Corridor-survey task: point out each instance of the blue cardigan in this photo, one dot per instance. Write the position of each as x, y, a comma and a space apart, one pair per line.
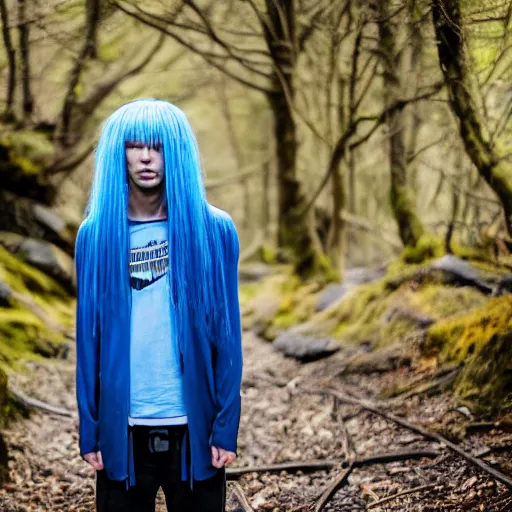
212, 372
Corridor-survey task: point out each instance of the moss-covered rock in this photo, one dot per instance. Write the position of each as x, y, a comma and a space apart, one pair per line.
24, 154
24, 335
482, 340
260, 302
487, 374
298, 303
34, 313
42, 255
465, 334
381, 313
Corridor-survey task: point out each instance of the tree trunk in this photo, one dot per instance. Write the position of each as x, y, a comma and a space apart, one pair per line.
402, 202
23, 28
293, 232
335, 245
488, 158
11, 62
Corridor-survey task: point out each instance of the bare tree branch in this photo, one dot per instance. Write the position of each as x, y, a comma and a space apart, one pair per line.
88, 50
207, 56
23, 31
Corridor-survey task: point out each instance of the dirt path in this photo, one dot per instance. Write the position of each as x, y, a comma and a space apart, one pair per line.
280, 423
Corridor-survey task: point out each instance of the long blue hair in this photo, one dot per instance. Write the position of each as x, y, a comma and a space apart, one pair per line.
196, 242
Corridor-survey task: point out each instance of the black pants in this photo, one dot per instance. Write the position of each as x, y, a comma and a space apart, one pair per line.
155, 470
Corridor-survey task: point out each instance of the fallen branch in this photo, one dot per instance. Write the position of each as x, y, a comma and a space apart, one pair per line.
426, 387
311, 465
419, 382
38, 404
317, 465
333, 487
241, 497
498, 475
489, 425
350, 455
386, 458
399, 495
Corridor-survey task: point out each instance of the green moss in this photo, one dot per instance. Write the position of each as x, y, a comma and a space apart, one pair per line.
23, 333
388, 310
457, 337
277, 302
360, 316
427, 247
29, 150
24, 278
247, 291
297, 305
402, 203
440, 301
486, 378
268, 255
263, 299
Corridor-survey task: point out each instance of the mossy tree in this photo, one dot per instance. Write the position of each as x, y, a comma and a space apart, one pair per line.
402, 200
484, 144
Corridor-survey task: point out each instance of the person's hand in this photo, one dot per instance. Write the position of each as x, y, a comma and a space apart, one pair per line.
94, 459
221, 457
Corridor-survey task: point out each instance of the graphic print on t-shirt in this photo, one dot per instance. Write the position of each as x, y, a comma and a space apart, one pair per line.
148, 263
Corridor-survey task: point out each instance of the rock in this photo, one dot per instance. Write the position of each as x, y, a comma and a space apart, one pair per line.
381, 361
5, 293
304, 348
504, 285
460, 272
43, 255
331, 293
352, 278
30, 218
251, 272
48, 218
456, 265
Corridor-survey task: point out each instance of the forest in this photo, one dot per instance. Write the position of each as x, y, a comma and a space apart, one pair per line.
364, 152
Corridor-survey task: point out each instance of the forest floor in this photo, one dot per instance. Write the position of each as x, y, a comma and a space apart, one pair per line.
284, 420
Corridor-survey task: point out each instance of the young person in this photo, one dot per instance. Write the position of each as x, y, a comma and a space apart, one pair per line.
159, 352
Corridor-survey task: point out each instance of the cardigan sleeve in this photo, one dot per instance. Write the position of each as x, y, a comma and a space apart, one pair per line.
228, 357
87, 349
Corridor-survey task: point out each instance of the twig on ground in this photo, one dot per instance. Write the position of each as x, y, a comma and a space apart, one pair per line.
28, 401
350, 455
317, 465
489, 425
425, 387
310, 465
387, 499
241, 497
335, 484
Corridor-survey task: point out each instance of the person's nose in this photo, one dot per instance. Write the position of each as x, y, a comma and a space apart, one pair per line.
144, 155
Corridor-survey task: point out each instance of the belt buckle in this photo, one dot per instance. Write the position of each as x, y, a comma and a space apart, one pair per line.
158, 440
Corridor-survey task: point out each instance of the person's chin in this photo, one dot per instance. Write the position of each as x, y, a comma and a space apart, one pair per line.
152, 183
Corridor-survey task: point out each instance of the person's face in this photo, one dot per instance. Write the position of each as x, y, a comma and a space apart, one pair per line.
145, 164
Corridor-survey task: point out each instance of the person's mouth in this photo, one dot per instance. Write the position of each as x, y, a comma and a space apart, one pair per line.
147, 174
